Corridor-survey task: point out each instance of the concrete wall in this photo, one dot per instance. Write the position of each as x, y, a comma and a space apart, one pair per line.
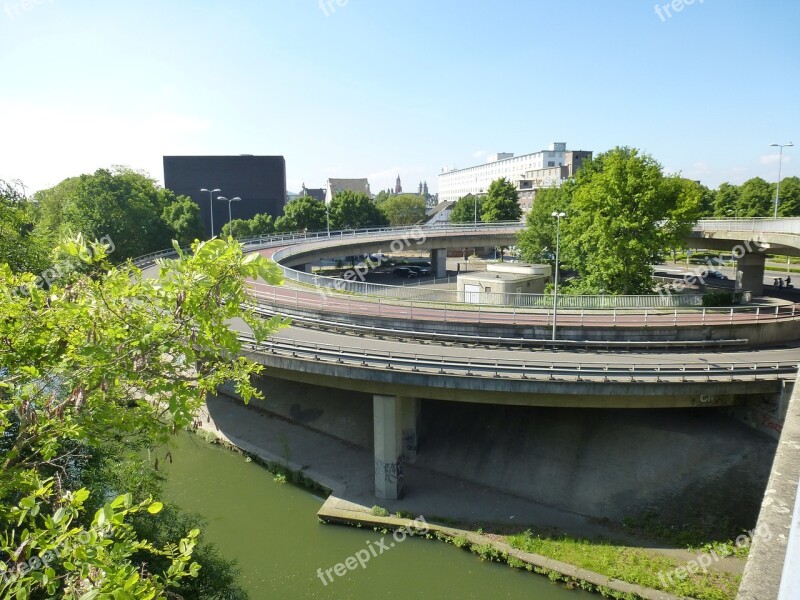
612, 463
765, 333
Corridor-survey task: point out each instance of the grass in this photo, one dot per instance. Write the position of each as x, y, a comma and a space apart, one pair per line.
633, 565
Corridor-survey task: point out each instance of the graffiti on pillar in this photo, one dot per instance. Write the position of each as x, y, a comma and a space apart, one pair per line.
392, 471
409, 441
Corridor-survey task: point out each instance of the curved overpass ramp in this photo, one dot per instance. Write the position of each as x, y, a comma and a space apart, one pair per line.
399, 371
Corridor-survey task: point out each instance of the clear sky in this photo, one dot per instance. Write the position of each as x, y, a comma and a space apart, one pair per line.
355, 88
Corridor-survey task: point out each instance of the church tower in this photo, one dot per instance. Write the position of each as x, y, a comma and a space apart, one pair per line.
398, 188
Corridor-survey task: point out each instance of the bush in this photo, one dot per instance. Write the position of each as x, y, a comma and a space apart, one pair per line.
379, 511
721, 298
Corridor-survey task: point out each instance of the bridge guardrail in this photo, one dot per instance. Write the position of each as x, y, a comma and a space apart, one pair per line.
477, 313
468, 366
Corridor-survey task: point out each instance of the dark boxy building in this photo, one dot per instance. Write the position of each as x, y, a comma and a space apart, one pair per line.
260, 181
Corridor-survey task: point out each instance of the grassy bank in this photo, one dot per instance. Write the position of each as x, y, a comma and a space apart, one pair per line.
633, 565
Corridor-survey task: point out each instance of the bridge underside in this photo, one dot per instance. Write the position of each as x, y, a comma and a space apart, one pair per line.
557, 393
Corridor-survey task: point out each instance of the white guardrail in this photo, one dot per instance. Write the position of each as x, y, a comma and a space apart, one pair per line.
521, 367
417, 293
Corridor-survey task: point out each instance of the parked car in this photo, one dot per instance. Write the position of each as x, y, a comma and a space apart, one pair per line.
405, 272
715, 275
704, 275
420, 271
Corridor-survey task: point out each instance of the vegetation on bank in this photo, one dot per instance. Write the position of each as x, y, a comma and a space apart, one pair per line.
97, 367
632, 565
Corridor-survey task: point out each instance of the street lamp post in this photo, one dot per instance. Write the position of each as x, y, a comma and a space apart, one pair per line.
780, 163
558, 216
328, 217
211, 205
230, 218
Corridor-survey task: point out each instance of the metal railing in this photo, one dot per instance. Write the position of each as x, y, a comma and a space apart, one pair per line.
757, 225
476, 313
521, 367
322, 239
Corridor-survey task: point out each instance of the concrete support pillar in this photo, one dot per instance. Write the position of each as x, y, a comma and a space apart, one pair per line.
387, 417
439, 262
750, 273
409, 408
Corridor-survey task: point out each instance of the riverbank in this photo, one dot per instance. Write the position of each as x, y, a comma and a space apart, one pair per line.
461, 508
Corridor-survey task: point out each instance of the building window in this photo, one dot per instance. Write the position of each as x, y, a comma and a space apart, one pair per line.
551, 163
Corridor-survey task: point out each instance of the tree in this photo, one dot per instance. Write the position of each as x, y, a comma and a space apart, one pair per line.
238, 228
624, 212
382, 197
182, 216
537, 242
261, 224
355, 210
789, 205
502, 202
115, 358
464, 210
120, 203
302, 214
22, 246
403, 209
756, 198
707, 198
726, 201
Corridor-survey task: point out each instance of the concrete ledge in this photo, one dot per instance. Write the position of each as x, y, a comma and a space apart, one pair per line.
515, 391
764, 569
336, 510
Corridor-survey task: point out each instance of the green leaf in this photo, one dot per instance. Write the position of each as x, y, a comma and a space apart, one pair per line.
155, 508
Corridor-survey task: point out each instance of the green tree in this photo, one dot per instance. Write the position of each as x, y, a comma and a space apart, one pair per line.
261, 224
22, 246
537, 242
502, 202
403, 209
182, 216
789, 205
119, 357
382, 197
302, 214
355, 210
707, 198
464, 210
726, 201
122, 204
51, 206
622, 214
756, 198
238, 228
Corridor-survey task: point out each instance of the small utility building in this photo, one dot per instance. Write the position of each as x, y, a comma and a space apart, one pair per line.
494, 285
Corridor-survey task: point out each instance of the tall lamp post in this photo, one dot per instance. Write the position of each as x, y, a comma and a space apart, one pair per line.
558, 216
780, 163
236, 199
328, 216
211, 205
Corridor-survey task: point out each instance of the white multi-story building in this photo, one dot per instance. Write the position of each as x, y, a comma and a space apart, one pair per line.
455, 183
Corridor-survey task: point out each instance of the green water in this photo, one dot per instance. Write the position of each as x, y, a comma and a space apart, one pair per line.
272, 531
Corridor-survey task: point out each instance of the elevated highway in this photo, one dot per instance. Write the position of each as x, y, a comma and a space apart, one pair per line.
477, 367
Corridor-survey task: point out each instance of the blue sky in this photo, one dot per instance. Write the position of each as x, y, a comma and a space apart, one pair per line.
376, 88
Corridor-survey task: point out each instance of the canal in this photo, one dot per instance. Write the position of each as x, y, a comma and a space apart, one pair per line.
271, 530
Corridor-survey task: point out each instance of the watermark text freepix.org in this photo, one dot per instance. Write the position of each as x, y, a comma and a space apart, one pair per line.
374, 549
671, 7
706, 559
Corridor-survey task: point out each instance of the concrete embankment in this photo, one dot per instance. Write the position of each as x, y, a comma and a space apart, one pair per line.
602, 463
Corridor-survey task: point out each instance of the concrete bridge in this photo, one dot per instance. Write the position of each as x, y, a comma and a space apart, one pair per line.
480, 365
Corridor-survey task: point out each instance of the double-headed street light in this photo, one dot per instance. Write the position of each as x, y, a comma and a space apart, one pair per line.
211, 205
780, 163
558, 216
236, 199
